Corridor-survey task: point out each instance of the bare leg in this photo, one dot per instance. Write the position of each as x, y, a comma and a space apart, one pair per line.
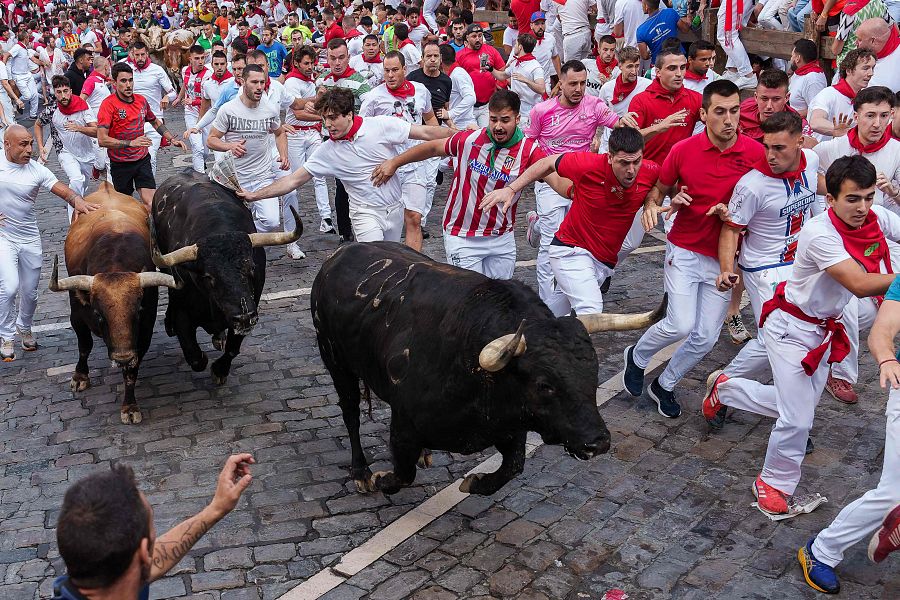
413, 222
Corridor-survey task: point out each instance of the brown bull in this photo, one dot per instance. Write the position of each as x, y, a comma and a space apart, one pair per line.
169, 49
112, 287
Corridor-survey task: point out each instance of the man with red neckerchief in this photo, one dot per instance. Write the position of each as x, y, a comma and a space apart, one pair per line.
191, 95
808, 78
602, 67
369, 63
770, 97
884, 40
830, 112
333, 29
699, 73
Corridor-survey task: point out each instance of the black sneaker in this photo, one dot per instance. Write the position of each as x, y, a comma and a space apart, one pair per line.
425, 234
633, 375
345, 239
604, 287
665, 400
809, 446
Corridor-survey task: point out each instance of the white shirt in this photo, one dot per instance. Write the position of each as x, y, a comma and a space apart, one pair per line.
833, 103
631, 14
804, 88
88, 36
594, 83
255, 126
19, 63
380, 102
773, 214
462, 98
212, 88
97, 96
151, 82
819, 247
352, 161
294, 87
573, 16
606, 93
191, 91
544, 51
417, 34
77, 144
373, 72
530, 69
413, 57
509, 36
887, 72
19, 187
700, 85
280, 12
886, 160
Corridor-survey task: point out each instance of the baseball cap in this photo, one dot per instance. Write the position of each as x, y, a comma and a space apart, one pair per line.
538, 15
473, 28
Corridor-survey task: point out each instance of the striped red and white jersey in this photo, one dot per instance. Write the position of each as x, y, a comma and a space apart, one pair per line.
480, 168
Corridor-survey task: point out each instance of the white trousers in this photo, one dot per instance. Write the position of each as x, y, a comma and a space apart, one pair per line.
576, 45
737, 54
859, 314
791, 400
374, 224
490, 255
20, 271
266, 213
151, 133
78, 174
28, 93
8, 108
578, 275
695, 314
429, 168
197, 142
772, 9
863, 516
300, 146
752, 360
551, 209
633, 238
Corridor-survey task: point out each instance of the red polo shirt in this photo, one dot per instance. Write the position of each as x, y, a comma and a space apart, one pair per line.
655, 104
602, 210
484, 81
335, 31
523, 9
710, 176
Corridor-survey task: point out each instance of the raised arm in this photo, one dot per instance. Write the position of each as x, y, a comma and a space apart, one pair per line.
507, 193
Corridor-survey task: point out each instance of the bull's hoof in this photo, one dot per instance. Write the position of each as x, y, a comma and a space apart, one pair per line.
218, 340
79, 382
470, 482
219, 373
200, 364
386, 482
425, 459
131, 414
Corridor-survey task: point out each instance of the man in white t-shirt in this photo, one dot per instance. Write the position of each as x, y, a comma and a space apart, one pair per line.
526, 76
20, 64
884, 40
546, 51
73, 128
151, 82
245, 126
808, 78
510, 33
831, 111
193, 75
629, 16
411, 54
802, 322
417, 30
699, 72
462, 94
21, 179
369, 63
603, 67
355, 147
576, 29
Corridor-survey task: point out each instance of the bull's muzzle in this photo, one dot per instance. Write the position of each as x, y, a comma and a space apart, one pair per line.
589, 451
124, 359
243, 323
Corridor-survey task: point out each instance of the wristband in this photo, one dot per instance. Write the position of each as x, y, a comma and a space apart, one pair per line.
887, 361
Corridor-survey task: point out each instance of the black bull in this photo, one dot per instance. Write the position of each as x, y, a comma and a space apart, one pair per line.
436, 342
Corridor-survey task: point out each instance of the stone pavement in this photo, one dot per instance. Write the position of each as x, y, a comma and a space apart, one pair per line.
664, 515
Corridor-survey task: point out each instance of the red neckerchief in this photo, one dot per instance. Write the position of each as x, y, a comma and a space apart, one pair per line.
656, 89
23, 45
352, 34
351, 133
348, 73
451, 68
622, 90
76, 104
406, 42
225, 77
810, 67
891, 44
763, 167
296, 74
844, 88
688, 74
525, 57
198, 83
835, 334
606, 69
866, 244
136, 68
406, 90
373, 60
856, 143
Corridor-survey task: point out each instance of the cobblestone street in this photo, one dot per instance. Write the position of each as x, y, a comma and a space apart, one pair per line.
666, 514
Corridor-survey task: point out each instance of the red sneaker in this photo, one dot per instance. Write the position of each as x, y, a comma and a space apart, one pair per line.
841, 390
887, 538
164, 143
713, 410
768, 498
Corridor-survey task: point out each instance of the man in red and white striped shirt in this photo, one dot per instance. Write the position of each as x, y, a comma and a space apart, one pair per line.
486, 159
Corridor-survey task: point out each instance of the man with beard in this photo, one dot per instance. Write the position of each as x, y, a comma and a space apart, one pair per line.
369, 62
194, 75
830, 112
546, 50
808, 78
73, 124
479, 61
151, 82
107, 540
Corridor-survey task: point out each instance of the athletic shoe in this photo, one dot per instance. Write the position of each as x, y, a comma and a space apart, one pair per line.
292, 250
818, 575
532, 233
737, 331
666, 404
604, 287
633, 375
769, 499
425, 234
841, 390
887, 538
28, 343
326, 226
746, 82
7, 350
809, 446
730, 74
713, 410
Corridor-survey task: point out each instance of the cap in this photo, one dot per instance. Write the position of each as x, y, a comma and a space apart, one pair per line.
538, 15
474, 27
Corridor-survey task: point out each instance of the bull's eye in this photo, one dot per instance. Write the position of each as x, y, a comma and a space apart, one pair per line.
546, 389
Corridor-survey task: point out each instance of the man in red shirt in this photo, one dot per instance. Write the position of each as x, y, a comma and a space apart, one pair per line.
480, 61
120, 129
523, 9
771, 97
704, 170
608, 189
333, 29
666, 111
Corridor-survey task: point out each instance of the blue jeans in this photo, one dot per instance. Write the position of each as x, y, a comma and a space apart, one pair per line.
797, 15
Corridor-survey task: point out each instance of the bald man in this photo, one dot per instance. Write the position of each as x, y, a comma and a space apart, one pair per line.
21, 179
884, 40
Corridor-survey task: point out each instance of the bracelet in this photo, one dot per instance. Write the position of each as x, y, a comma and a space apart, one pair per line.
887, 361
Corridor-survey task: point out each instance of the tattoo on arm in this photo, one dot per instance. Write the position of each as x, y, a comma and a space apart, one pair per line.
167, 554
123, 143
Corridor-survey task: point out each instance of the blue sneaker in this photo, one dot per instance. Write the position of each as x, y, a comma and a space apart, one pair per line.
818, 575
633, 375
666, 404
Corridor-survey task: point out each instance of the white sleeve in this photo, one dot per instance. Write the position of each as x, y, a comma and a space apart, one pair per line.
318, 162
827, 250
221, 120
367, 105
889, 221
45, 176
825, 152
393, 130
814, 86
619, 13
744, 202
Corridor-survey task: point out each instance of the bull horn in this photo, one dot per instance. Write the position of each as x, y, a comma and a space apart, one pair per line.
497, 354
75, 282
186, 254
154, 279
278, 237
596, 322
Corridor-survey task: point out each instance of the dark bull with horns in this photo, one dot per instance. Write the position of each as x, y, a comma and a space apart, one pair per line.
466, 362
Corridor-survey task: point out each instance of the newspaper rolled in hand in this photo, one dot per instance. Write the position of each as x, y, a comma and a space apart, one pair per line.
223, 173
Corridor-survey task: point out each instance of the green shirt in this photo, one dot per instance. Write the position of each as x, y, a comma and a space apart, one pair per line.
207, 43
288, 31
118, 53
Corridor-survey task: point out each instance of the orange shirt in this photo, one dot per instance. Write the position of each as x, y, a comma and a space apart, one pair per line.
222, 24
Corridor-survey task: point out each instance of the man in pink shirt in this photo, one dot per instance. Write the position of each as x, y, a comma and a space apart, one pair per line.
567, 123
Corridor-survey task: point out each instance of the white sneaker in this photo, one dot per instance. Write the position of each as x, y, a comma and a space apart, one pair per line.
327, 226
7, 350
28, 343
746, 81
532, 232
292, 250
730, 74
